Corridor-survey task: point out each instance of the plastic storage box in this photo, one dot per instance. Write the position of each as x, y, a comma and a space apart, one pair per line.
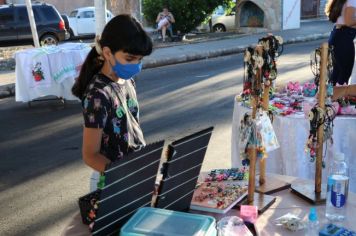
159, 222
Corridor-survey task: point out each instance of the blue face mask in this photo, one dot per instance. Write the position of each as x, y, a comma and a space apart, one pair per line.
126, 71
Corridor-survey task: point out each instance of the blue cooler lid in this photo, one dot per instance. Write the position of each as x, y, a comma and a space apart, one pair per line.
159, 222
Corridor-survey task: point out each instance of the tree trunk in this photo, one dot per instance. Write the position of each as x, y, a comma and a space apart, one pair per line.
100, 16
131, 7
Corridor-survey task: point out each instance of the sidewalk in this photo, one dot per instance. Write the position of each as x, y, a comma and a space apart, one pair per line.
208, 48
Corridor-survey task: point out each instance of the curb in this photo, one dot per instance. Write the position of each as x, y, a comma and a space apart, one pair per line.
9, 90
222, 52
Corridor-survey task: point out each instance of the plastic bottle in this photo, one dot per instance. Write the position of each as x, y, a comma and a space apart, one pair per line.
337, 190
313, 223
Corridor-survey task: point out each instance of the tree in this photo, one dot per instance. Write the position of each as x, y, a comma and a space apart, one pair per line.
188, 13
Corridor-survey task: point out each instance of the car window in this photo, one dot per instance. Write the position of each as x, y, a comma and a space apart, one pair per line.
73, 14
87, 14
6, 15
49, 13
37, 14
22, 14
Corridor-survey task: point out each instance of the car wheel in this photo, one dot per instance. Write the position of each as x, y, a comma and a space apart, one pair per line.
219, 28
49, 39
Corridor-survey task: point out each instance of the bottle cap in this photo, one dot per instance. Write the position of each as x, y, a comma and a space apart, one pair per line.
339, 156
313, 215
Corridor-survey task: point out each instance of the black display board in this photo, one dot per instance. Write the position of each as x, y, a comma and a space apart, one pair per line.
129, 185
181, 171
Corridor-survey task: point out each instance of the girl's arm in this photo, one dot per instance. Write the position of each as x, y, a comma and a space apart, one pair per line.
350, 19
158, 17
91, 149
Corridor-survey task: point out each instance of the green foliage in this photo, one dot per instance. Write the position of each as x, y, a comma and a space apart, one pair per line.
188, 13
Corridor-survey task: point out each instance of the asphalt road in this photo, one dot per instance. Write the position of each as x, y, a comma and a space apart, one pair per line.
41, 171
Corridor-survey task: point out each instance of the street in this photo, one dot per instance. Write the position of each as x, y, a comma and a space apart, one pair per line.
41, 171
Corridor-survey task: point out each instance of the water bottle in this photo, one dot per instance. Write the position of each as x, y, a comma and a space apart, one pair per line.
337, 189
313, 223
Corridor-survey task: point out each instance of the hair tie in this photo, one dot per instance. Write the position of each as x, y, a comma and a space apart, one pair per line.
97, 45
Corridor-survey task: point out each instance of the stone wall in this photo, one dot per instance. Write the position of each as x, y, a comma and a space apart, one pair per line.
272, 15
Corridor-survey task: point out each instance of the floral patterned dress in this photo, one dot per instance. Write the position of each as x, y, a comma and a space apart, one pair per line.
113, 107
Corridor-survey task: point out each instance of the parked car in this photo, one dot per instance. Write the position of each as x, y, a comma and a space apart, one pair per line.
222, 20
66, 21
15, 24
82, 21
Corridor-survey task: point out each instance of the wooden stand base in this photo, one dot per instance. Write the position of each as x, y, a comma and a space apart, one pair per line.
262, 201
272, 185
307, 192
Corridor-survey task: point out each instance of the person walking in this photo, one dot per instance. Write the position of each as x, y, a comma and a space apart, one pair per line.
343, 14
107, 92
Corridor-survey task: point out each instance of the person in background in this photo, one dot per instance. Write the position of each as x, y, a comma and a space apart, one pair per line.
164, 21
342, 13
107, 91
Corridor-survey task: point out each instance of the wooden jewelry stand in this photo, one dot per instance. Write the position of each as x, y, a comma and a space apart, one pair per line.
262, 201
273, 184
317, 194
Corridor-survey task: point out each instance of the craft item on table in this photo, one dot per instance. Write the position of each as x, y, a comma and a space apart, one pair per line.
315, 60
318, 117
265, 128
346, 106
232, 226
148, 221
291, 222
293, 88
218, 197
272, 48
218, 175
335, 230
309, 89
308, 104
249, 138
249, 213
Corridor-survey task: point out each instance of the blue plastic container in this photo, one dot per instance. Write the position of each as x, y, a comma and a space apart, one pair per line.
159, 222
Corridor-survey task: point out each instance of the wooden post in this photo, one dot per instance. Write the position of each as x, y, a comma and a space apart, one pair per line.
320, 132
252, 152
265, 105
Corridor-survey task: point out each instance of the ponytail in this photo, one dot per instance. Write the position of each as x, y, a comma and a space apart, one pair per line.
333, 9
90, 67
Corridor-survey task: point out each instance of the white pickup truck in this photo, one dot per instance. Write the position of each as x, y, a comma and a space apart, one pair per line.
82, 21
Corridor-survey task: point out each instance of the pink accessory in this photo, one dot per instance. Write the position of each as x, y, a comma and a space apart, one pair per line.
249, 213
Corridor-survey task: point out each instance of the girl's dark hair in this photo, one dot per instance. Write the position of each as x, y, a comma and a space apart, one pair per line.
123, 32
333, 9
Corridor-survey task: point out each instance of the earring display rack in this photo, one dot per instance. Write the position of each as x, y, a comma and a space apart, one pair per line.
181, 171
129, 185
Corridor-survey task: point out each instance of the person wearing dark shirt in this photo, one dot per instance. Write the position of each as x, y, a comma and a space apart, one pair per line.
107, 91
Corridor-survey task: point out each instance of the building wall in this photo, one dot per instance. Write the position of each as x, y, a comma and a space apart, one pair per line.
272, 13
322, 7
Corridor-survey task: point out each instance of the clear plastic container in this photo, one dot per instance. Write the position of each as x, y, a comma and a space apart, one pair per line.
337, 190
153, 221
313, 223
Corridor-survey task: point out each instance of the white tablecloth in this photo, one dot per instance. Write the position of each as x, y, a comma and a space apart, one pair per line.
292, 132
48, 70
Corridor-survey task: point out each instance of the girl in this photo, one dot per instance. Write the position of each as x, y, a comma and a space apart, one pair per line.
107, 91
342, 13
